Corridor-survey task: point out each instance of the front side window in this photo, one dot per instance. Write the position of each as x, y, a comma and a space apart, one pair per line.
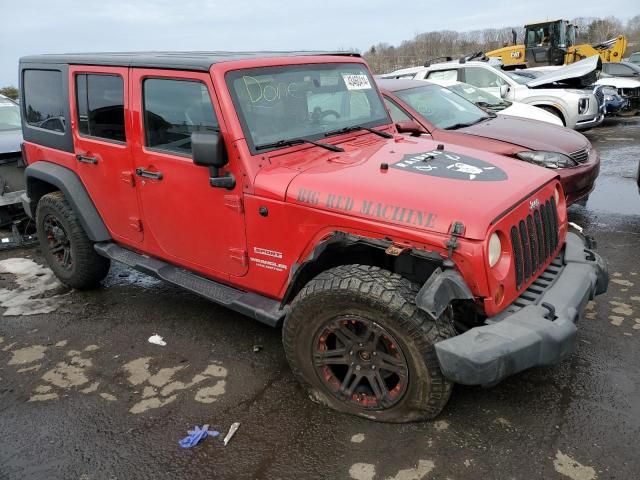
443, 75
9, 115
100, 105
43, 99
482, 77
278, 104
173, 110
442, 107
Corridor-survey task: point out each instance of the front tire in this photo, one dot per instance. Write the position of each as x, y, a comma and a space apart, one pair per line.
65, 245
356, 339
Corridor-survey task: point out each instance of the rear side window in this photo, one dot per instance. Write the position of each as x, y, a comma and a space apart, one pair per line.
173, 109
446, 75
100, 104
43, 99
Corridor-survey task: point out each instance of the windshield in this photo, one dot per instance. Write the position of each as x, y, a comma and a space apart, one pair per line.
442, 107
9, 115
479, 97
277, 104
519, 78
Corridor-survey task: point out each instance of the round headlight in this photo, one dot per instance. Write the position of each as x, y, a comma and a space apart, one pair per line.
495, 249
556, 196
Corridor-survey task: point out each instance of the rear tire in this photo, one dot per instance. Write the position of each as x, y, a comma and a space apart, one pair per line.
337, 322
65, 245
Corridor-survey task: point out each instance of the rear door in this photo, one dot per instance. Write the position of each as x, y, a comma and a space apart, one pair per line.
102, 137
186, 220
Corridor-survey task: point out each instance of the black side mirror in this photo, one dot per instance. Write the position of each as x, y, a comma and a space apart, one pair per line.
207, 149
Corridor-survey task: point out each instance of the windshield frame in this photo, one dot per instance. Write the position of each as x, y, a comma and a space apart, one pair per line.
11, 104
233, 75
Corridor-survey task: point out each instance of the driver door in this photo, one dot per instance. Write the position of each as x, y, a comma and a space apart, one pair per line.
186, 221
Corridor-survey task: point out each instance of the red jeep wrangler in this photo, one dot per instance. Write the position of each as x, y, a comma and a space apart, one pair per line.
276, 184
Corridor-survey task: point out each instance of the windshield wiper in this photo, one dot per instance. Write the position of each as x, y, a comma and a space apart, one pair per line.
358, 127
297, 141
456, 126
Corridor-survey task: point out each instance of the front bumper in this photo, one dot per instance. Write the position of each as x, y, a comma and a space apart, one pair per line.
590, 122
539, 328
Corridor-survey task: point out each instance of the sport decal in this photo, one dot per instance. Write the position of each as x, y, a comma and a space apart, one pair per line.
440, 163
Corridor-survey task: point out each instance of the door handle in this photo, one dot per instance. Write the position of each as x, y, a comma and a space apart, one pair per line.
141, 172
84, 159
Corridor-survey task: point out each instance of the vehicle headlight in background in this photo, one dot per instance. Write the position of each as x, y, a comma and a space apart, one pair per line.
583, 106
548, 159
495, 249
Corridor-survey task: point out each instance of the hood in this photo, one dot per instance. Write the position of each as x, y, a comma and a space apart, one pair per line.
10, 141
529, 134
575, 75
421, 187
518, 109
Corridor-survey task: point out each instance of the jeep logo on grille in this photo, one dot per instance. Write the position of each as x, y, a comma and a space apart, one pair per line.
440, 163
533, 204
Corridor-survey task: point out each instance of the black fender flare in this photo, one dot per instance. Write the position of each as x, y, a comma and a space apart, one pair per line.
440, 290
68, 182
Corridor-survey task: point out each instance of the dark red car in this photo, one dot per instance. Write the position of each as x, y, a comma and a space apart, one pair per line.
423, 108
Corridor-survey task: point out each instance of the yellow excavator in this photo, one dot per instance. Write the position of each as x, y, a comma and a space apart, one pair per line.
554, 43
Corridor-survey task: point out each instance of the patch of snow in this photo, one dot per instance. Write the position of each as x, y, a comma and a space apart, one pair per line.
34, 281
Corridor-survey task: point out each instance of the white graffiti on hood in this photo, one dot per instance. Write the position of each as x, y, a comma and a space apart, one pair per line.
470, 170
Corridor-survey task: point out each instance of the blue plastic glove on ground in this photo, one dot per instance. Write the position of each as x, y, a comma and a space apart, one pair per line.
196, 436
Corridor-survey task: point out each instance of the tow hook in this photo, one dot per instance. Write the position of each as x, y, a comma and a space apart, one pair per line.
552, 311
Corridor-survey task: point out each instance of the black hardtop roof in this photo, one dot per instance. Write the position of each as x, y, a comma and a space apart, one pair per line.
169, 60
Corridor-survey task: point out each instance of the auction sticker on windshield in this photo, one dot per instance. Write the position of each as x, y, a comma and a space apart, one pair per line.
356, 81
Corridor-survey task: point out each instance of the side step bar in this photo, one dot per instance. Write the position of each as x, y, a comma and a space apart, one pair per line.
263, 309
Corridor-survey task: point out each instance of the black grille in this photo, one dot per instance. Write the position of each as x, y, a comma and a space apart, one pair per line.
534, 240
580, 156
599, 95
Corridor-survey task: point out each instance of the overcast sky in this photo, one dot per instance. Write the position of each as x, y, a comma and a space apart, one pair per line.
45, 26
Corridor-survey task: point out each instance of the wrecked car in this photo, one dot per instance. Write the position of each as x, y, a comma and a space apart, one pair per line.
423, 108
276, 184
563, 93
11, 167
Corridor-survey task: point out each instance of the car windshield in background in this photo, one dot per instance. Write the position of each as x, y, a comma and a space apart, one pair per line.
9, 115
479, 97
280, 104
519, 78
442, 107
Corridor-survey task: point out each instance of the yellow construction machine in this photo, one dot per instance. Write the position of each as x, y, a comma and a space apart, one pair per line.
554, 43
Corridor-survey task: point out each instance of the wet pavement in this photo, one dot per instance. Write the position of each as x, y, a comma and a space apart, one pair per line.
83, 395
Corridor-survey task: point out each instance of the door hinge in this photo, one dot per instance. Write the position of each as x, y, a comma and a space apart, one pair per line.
239, 255
234, 202
128, 178
136, 223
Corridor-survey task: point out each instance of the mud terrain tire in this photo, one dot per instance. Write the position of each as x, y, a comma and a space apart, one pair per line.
331, 320
65, 245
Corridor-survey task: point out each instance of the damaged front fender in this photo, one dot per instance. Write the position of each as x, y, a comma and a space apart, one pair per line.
440, 290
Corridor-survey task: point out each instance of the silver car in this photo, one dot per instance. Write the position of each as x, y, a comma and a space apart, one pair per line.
577, 108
